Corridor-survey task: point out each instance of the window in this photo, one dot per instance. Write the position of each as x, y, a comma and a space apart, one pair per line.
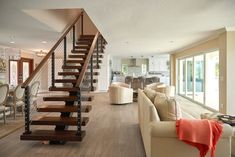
144, 69
13, 72
25, 70
198, 78
125, 69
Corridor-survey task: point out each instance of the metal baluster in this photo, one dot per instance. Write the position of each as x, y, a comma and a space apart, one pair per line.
27, 110
97, 53
79, 129
82, 23
101, 43
74, 38
65, 50
53, 69
91, 68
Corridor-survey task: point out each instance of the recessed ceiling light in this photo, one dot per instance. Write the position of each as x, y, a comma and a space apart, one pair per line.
12, 42
171, 41
44, 42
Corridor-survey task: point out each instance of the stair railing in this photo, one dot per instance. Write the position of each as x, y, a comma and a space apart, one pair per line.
50, 54
89, 58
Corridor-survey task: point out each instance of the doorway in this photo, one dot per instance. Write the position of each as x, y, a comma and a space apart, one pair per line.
20, 70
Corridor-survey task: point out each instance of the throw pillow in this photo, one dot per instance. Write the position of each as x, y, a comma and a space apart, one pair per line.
150, 93
168, 109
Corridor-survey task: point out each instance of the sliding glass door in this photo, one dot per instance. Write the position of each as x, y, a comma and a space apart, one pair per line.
198, 78
212, 80
182, 75
189, 77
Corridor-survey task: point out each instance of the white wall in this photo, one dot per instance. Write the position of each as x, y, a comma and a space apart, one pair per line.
230, 72
116, 63
158, 63
104, 77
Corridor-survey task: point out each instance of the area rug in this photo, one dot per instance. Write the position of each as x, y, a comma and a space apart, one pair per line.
11, 125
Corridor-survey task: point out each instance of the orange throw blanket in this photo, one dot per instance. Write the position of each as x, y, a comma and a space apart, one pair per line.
202, 134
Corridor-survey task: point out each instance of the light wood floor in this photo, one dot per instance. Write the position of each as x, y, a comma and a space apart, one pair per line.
112, 131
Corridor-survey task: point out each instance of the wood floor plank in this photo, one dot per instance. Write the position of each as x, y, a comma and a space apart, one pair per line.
112, 131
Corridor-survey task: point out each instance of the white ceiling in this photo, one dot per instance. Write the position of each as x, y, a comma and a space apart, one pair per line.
131, 27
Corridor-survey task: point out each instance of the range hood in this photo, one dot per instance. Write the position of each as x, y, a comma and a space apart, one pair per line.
133, 63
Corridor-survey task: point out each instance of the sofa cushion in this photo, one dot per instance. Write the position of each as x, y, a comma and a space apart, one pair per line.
150, 93
168, 108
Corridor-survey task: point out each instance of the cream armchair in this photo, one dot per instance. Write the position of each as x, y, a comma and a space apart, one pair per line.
120, 93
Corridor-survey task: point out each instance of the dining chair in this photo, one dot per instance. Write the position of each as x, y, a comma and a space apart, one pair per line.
16, 100
155, 79
4, 89
128, 79
148, 81
136, 84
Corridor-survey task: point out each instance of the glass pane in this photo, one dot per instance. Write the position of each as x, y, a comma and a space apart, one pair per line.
189, 77
25, 70
199, 78
13, 73
212, 80
182, 77
144, 69
124, 69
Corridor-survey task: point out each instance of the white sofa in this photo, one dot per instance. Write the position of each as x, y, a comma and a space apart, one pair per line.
120, 93
160, 138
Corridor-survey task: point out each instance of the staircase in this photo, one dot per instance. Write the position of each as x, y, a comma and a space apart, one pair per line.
77, 71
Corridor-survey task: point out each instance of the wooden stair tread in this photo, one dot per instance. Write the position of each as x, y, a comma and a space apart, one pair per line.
84, 42
69, 89
82, 61
50, 120
63, 108
52, 135
60, 98
75, 61
86, 47
69, 73
76, 73
80, 51
77, 56
65, 80
73, 80
67, 98
79, 67
86, 51
72, 67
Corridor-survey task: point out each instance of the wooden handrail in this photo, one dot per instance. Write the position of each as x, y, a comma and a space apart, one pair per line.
30, 78
83, 71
